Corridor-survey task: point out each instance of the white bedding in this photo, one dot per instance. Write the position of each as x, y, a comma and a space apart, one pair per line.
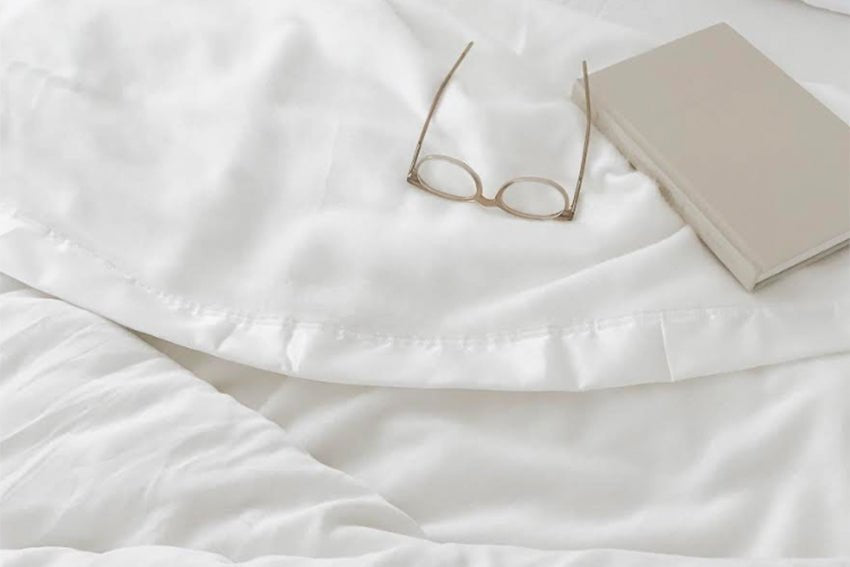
114, 455
231, 179
802, 40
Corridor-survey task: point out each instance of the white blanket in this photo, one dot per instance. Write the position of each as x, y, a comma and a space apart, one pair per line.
114, 455
231, 178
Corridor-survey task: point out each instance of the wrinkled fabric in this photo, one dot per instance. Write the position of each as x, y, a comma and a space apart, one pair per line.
112, 454
233, 180
748, 464
228, 178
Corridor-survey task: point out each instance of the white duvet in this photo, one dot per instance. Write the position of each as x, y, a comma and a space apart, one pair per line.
411, 380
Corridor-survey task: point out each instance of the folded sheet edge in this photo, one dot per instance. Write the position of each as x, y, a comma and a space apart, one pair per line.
636, 348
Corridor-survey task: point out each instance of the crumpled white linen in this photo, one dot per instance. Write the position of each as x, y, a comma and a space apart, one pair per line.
112, 454
231, 178
748, 464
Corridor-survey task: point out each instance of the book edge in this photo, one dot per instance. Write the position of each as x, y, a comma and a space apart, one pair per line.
743, 268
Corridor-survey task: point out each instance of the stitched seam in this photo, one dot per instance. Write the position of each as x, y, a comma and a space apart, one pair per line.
240, 317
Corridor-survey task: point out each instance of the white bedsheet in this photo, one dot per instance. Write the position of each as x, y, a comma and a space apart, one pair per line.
114, 455
231, 179
803, 40
234, 181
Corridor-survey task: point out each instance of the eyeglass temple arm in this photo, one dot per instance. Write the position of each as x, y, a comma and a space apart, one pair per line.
434, 104
571, 211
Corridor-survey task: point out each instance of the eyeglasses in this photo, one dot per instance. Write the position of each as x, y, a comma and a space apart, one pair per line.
528, 197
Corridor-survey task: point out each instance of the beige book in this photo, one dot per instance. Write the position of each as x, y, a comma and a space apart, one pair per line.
756, 165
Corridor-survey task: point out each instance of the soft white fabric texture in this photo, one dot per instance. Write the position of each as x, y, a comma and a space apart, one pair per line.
232, 179
114, 455
750, 464
803, 40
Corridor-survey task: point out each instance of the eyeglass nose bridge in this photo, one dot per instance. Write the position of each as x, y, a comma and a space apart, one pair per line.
482, 200
414, 178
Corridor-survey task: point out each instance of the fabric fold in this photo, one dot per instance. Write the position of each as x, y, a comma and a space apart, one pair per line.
246, 197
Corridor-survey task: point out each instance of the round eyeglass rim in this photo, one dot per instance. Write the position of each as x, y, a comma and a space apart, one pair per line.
499, 200
479, 188
500, 197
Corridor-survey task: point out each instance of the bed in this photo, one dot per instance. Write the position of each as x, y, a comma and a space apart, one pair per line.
230, 333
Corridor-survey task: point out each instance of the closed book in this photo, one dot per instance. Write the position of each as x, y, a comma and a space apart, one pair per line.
751, 160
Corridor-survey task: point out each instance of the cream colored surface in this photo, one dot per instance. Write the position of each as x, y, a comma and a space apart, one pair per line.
762, 165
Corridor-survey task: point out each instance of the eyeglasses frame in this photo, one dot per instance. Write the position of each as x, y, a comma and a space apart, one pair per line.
413, 177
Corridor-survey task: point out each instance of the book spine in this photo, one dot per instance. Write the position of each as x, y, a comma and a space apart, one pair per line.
743, 269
